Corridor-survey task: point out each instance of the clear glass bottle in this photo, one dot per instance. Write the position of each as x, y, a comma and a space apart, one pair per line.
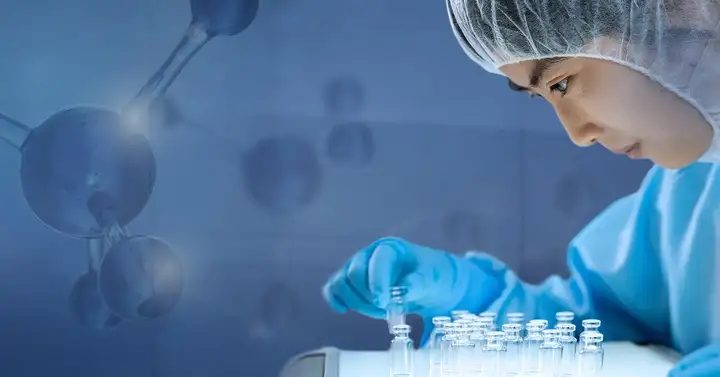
550, 353
564, 317
492, 317
531, 347
463, 355
480, 329
517, 318
396, 309
479, 337
589, 325
446, 355
591, 356
569, 344
402, 360
494, 354
456, 314
436, 336
542, 322
514, 345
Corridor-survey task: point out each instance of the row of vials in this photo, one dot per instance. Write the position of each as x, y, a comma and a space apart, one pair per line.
469, 345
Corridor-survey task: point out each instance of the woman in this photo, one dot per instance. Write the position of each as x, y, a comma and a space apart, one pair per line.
641, 78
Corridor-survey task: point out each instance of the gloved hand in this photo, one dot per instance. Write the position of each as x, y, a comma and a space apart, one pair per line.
437, 282
704, 362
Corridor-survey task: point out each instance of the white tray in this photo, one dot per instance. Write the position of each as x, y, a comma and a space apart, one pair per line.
621, 360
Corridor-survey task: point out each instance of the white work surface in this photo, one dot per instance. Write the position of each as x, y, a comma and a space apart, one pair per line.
621, 360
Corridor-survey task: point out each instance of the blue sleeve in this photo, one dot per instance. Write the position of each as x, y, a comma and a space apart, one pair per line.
615, 274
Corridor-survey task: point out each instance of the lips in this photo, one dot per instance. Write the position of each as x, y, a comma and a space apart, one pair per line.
633, 151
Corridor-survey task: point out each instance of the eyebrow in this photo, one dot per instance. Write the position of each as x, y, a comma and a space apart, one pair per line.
541, 67
538, 72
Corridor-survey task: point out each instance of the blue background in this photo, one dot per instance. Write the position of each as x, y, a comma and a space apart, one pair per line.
450, 142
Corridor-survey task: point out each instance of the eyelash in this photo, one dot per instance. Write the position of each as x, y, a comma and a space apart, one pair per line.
556, 87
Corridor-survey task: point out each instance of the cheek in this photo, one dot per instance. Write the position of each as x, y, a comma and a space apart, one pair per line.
638, 108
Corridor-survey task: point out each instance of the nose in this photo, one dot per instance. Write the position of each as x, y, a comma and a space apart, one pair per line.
584, 134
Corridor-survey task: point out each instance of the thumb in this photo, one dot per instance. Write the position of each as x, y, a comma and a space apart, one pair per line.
383, 273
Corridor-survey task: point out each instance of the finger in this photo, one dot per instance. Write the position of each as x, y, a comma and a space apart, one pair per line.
701, 356
383, 271
705, 369
357, 274
334, 302
350, 297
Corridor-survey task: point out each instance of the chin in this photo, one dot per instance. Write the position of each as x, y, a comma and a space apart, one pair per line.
674, 164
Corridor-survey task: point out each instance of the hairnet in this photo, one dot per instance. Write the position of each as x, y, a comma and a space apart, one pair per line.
673, 42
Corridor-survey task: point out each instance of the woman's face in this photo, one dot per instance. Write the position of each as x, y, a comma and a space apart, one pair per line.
599, 101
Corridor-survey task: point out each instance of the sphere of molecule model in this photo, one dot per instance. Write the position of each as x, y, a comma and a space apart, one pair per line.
141, 277
224, 17
88, 307
282, 174
350, 144
344, 97
80, 151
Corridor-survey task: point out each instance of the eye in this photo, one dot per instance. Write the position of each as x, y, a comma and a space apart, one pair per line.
561, 86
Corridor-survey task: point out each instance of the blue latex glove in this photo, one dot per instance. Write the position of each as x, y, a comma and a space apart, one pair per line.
437, 282
704, 362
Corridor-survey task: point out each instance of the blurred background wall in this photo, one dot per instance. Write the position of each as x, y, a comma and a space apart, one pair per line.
325, 125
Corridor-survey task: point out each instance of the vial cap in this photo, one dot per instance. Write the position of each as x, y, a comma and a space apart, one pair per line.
496, 335
550, 334
469, 317
543, 323
398, 291
511, 328
535, 326
486, 320
401, 329
592, 337
516, 317
591, 323
451, 326
565, 316
566, 327
441, 320
492, 315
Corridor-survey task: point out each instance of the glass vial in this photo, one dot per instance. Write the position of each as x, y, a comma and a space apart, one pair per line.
457, 314
446, 356
396, 309
517, 318
462, 353
589, 325
564, 317
550, 353
494, 354
514, 346
402, 359
491, 317
569, 344
591, 355
531, 347
541, 322
436, 336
